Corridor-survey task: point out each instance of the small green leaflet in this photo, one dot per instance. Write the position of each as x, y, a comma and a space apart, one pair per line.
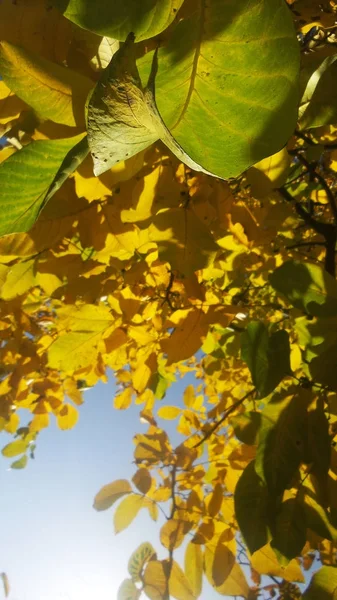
139, 558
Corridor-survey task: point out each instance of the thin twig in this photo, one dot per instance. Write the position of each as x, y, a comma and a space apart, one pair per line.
223, 418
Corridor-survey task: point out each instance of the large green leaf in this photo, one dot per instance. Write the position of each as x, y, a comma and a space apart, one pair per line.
246, 426
229, 68
307, 287
123, 118
323, 585
282, 440
55, 92
116, 18
289, 531
251, 508
26, 178
268, 357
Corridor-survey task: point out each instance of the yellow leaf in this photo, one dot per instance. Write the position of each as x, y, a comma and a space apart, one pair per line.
15, 448
20, 278
139, 558
72, 391
152, 508
128, 591
172, 534
179, 586
110, 493
215, 501
189, 396
10, 108
67, 417
39, 422
268, 174
142, 480
264, 561
186, 338
235, 584
13, 423
154, 580
141, 377
126, 511
53, 91
194, 567
169, 412
123, 400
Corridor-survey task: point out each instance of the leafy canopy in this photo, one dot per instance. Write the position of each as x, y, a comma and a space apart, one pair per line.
168, 178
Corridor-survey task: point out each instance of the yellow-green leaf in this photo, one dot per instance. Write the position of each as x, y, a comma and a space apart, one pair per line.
128, 591
139, 558
14, 448
53, 91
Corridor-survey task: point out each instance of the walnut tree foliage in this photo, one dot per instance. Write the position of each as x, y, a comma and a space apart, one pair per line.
168, 207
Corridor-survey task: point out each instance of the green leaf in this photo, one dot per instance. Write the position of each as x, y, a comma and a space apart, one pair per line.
323, 585
307, 287
246, 426
268, 357
319, 101
282, 440
25, 180
317, 518
251, 506
289, 531
216, 90
116, 18
122, 116
14, 448
21, 463
53, 91
139, 558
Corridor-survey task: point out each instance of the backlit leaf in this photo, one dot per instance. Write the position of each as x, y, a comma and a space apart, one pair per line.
55, 92
194, 567
116, 19
323, 585
128, 591
179, 586
14, 448
172, 534
169, 412
126, 511
110, 493
155, 580
25, 179
307, 287
139, 558
142, 480
21, 463
289, 532
67, 417
214, 78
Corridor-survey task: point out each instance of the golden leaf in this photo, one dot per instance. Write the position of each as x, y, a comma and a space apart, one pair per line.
172, 534
194, 567
67, 417
142, 480
127, 511
15, 448
110, 493
179, 586
168, 412
215, 501
123, 400
155, 580
264, 561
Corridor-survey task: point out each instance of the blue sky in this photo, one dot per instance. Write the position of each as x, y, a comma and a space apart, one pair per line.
54, 545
